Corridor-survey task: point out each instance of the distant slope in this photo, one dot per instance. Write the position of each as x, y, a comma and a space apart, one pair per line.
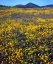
50, 6
29, 5
20, 6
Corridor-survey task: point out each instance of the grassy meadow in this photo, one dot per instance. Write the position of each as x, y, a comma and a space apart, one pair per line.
26, 36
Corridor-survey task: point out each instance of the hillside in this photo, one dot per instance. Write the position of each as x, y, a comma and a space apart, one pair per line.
32, 5
28, 5
47, 6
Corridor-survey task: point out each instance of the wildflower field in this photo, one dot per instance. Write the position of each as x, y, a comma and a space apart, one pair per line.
26, 36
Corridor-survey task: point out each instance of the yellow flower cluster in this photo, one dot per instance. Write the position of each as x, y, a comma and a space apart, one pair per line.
24, 42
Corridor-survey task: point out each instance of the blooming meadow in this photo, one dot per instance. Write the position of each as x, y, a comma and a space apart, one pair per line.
26, 36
